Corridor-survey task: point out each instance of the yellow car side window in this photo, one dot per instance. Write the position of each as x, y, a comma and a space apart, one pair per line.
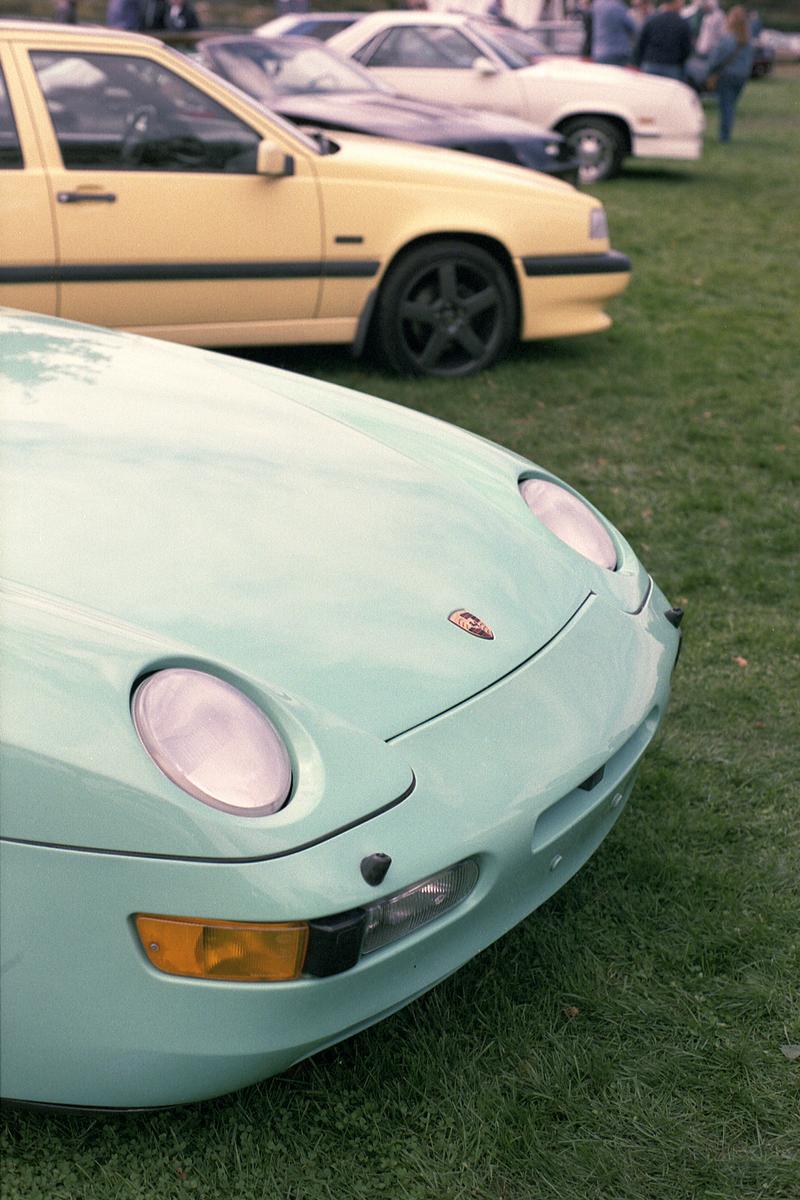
115, 112
10, 150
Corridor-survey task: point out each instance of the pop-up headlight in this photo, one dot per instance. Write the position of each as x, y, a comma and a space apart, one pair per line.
570, 519
212, 741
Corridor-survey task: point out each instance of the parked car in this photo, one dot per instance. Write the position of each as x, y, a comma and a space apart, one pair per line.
295, 710
159, 199
786, 46
308, 83
606, 113
763, 59
321, 25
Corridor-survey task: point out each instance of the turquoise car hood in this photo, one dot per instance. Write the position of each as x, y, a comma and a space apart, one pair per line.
216, 506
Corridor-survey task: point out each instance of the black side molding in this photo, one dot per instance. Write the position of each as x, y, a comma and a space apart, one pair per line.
611, 263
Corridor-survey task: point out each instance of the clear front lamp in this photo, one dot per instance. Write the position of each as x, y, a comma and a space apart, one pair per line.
214, 743
396, 916
570, 519
598, 223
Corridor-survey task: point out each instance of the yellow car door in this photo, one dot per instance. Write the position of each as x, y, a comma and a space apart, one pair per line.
27, 241
164, 223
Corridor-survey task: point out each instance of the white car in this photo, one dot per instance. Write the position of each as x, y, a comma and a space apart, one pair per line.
307, 24
607, 113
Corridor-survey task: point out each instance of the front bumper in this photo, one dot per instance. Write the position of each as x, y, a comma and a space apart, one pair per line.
567, 294
687, 148
88, 1021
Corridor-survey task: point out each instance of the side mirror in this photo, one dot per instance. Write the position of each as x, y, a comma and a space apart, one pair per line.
483, 66
272, 161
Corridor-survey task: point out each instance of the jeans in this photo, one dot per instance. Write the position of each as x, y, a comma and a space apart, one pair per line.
728, 94
671, 70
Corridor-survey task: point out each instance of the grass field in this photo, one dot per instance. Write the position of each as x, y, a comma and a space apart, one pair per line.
624, 1043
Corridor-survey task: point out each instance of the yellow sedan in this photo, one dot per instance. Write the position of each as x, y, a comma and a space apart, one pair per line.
141, 192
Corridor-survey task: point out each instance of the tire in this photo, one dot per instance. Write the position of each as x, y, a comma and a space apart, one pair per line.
599, 145
445, 309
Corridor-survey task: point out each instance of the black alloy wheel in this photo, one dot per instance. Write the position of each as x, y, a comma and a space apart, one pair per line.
446, 309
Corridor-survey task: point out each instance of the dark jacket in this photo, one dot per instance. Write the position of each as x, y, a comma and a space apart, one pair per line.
665, 39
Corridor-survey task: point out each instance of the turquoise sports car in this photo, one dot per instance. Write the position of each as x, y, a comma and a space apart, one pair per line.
307, 698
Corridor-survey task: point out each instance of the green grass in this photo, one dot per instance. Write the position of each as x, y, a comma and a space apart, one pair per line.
623, 1043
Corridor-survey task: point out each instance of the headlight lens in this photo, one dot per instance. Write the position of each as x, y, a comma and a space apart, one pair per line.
213, 742
598, 223
569, 519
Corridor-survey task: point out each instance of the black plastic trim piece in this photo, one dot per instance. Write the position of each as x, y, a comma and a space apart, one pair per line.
678, 651
335, 943
143, 272
362, 329
223, 862
374, 868
86, 197
592, 780
577, 264
674, 616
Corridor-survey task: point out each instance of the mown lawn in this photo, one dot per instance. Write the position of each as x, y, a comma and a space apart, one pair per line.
624, 1043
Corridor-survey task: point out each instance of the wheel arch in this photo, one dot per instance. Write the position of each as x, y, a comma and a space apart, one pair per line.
486, 242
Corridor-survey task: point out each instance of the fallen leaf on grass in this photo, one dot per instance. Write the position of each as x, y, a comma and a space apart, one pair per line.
791, 1052
571, 1011
740, 662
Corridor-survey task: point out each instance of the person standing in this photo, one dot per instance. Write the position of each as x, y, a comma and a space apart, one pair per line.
66, 12
154, 14
729, 67
124, 14
182, 16
712, 28
640, 11
693, 15
585, 14
613, 31
664, 43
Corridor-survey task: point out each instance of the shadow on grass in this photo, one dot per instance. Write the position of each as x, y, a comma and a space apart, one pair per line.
658, 173
332, 361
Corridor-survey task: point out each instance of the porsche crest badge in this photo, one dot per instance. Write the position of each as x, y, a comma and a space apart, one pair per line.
471, 624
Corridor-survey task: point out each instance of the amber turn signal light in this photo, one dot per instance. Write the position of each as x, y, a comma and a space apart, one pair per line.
232, 950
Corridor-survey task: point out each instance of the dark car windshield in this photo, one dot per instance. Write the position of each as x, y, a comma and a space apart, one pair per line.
268, 69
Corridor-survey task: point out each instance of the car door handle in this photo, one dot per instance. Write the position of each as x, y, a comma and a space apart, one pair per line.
83, 197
